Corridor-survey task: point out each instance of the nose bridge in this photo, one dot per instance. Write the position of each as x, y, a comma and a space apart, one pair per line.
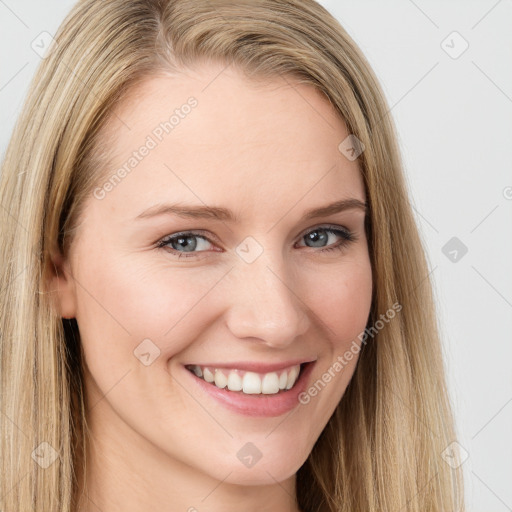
263, 303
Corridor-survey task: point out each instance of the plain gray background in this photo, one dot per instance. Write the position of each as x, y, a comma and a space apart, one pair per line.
453, 114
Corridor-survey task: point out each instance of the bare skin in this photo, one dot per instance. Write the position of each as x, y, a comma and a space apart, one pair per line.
268, 153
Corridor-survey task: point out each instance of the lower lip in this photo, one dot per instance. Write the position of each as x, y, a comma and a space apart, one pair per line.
257, 405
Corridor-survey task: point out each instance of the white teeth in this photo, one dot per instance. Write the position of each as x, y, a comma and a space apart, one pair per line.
220, 379
234, 382
283, 380
270, 384
208, 375
250, 383
292, 376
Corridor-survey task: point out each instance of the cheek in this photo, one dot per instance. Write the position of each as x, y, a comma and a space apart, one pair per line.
123, 303
341, 299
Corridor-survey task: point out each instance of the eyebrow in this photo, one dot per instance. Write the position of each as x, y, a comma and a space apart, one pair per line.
223, 214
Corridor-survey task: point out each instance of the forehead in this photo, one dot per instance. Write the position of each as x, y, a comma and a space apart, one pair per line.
215, 135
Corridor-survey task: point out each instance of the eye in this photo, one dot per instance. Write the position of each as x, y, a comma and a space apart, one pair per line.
320, 235
187, 242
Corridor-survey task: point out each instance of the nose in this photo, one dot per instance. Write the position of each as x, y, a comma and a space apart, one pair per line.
263, 304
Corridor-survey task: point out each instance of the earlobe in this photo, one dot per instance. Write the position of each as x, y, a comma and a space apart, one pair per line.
62, 286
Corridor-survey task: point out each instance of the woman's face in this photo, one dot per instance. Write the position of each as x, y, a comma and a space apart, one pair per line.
250, 296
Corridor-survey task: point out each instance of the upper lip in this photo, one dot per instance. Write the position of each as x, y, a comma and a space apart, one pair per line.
252, 366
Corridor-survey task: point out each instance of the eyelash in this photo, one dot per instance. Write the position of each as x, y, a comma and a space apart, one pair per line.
347, 238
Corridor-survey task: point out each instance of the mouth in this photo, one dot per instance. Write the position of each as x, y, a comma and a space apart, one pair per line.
244, 382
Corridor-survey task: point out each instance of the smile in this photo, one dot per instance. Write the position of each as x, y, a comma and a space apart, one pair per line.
247, 382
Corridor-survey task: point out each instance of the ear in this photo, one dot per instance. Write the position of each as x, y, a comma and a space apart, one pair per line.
62, 285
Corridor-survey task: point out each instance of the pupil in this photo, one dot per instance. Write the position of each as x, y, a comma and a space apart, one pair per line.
314, 237
188, 246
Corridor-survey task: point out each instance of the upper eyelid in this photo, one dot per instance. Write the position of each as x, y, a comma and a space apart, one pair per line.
327, 227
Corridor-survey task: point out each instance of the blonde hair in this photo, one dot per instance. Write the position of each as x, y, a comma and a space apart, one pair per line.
382, 448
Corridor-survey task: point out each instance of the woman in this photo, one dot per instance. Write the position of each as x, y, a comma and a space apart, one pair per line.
174, 337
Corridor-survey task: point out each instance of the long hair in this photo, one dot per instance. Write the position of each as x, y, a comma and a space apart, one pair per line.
382, 449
